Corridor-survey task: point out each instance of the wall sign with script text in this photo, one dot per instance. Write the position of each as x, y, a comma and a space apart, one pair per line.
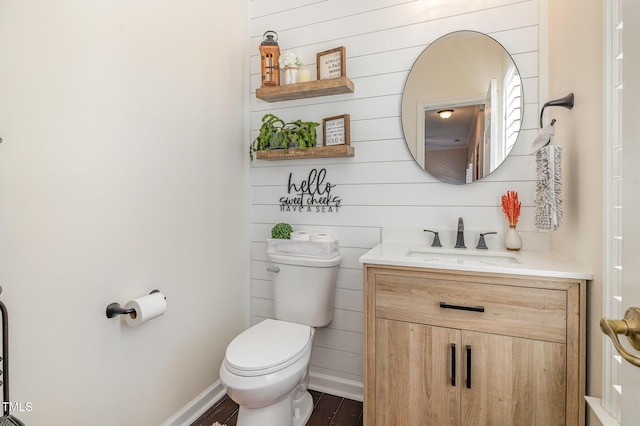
313, 194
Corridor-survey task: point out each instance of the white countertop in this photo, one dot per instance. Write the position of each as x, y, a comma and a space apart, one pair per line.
530, 262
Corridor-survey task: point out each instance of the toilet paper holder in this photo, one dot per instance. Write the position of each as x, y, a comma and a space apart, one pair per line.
115, 309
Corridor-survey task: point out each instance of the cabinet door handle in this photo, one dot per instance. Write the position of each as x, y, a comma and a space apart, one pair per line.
453, 364
468, 366
445, 305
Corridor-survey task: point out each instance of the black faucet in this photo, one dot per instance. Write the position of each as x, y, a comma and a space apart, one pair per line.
460, 237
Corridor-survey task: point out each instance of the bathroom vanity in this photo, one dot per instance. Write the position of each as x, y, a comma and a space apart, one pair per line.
473, 337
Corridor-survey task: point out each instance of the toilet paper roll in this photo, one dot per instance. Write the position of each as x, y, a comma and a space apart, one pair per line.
146, 308
300, 236
321, 236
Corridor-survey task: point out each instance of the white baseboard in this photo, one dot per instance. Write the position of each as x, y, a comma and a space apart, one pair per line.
319, 382
337, 386
603, 416
194, 409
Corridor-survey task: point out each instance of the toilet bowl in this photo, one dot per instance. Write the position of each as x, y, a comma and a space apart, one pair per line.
265, 373
265, 369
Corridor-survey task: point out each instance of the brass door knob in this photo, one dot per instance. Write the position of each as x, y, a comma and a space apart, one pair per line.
630, 327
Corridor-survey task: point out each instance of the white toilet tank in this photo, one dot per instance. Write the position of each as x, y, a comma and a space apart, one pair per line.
303, 288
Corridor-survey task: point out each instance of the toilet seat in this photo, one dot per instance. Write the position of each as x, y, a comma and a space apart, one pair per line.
267, 347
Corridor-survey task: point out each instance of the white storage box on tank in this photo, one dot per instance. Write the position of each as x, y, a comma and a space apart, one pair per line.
322, 249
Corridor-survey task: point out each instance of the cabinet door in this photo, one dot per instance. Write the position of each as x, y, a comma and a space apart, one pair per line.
514, 381
413, 380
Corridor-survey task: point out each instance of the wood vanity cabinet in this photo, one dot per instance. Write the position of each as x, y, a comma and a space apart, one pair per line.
467, 348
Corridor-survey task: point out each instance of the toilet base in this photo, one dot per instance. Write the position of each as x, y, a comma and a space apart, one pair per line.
302, 410
286, 412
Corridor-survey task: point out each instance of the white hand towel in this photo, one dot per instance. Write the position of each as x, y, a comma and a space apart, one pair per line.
548, 215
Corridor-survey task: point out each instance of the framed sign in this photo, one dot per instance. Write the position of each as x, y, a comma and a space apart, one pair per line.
332, 63
335, 130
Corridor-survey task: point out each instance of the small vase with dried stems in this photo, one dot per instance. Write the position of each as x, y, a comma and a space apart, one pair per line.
511, 209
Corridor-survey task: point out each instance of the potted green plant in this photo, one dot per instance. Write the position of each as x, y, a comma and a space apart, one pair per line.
281, 231
275, 133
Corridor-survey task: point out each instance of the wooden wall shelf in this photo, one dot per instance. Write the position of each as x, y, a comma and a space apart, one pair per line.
315, 152
309, 89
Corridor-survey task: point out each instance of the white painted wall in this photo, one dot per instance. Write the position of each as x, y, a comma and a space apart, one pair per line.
121, 171
580, 132
382, 185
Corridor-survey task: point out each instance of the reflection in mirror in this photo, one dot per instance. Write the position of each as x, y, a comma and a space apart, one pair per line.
470, 76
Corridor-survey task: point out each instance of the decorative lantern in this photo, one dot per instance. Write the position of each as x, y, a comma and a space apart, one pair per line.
269, 57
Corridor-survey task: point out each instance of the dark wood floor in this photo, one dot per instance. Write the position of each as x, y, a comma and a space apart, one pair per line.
328, 410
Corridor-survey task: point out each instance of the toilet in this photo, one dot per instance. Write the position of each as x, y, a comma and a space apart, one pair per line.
265, 369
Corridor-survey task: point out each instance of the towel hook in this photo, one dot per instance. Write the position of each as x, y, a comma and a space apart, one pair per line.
566, 102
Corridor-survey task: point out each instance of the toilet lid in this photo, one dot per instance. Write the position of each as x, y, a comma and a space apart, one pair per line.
267, 344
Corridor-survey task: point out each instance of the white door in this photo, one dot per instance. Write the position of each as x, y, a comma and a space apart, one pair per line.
630, 377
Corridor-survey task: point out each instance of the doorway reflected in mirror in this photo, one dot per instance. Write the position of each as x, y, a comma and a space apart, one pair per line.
473, 76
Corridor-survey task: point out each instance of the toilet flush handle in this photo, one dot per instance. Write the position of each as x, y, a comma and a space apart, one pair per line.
273, 269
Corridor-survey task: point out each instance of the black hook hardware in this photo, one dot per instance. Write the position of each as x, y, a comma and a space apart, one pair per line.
114, 309
566, 102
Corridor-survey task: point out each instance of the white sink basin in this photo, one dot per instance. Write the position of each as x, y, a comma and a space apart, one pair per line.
464, 256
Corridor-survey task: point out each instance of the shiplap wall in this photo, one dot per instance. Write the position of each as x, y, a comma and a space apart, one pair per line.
381, 186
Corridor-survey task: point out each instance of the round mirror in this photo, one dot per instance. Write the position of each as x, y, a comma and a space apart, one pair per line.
462, 107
